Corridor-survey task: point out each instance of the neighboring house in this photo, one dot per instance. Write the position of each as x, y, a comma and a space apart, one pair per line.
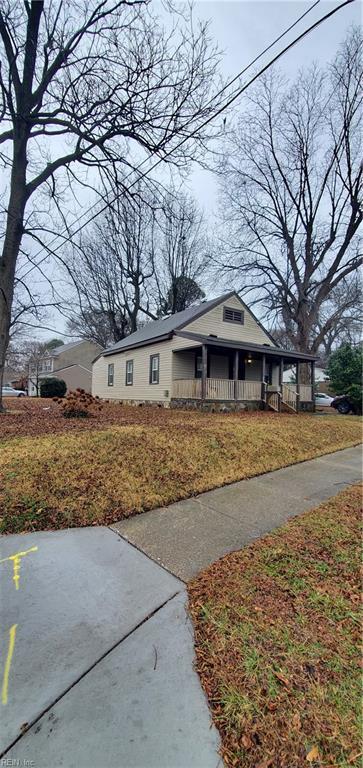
322, 381
216, 352
13, 378
70, 362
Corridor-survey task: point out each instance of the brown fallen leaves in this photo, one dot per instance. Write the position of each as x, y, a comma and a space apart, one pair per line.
57, 472
277, 629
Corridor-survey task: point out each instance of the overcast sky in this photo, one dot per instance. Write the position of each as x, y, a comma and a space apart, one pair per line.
241, 30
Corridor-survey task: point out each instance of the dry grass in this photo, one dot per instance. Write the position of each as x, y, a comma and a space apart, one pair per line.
146, 457
278, 642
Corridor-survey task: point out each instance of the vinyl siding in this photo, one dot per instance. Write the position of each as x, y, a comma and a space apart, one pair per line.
83, 354
184, 365
212, 323
75, 377
253, 371
219, 367
141, 389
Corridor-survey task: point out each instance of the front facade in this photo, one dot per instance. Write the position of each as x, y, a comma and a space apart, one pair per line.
214, 355
71, 362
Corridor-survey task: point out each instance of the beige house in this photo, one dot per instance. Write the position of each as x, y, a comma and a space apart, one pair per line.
216, 354
71, 362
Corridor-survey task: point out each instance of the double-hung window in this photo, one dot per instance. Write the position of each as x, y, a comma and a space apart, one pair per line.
110, 374
154, 369
129, 373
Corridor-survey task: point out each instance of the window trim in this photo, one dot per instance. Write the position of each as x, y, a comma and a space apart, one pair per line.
109, 367
129, 383
233, 320
152, 357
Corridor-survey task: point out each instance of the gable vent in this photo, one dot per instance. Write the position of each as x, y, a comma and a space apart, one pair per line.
231, 315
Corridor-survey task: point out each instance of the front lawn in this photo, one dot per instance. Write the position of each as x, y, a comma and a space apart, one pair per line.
126, 460
278, 637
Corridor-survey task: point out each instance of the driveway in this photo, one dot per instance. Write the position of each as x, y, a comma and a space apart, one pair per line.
96, 661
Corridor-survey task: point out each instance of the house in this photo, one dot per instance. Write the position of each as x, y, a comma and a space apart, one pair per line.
14, 378
71, 362
216, 354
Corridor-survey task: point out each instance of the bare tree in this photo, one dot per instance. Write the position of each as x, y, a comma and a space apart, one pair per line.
183, 254
140, 261
93, 84
291, 192
340, 319
111, 269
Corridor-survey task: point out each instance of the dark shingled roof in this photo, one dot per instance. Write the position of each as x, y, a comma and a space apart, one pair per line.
166, 325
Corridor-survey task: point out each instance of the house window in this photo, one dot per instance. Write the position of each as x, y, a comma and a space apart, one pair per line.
110, 373
129, 373
231, 315
154, 369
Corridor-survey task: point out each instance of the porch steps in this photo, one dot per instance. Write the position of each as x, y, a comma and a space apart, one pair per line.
287, 408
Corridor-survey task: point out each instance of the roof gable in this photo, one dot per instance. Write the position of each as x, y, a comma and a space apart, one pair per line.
165, 327
193, 318
214, 324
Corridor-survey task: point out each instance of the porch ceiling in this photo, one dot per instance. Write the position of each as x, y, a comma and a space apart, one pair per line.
263, 349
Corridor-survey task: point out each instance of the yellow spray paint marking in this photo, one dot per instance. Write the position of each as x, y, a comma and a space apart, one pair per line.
5, 685
16, 563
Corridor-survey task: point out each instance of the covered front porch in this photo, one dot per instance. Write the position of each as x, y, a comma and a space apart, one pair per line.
231, 372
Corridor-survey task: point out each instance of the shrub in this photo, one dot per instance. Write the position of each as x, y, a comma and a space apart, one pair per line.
52, 388
354, 393
345, 373
79, 404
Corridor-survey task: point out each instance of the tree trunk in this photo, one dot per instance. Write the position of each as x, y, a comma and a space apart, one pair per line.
13, 235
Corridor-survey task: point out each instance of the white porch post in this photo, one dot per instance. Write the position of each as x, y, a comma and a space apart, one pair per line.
313, 383
297, 386
204, 370
263, 376
235, 372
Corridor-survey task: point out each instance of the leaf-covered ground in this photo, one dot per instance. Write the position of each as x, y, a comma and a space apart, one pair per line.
278, 630
57, 472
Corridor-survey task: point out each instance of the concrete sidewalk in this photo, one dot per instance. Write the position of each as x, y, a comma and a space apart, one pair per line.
97, 658
185, 537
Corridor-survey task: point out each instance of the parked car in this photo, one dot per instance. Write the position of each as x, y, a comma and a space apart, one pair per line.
343, 404
11, 392
321, 399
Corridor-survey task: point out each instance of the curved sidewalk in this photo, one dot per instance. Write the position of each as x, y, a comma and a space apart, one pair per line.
189, 535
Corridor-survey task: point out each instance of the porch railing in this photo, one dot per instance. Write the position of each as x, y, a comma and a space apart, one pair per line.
289, 396
187, 388
306, 393
249, 390
273, 399
219, 389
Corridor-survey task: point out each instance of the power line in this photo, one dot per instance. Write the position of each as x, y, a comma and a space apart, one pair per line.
135, 170
216, 95
219, 111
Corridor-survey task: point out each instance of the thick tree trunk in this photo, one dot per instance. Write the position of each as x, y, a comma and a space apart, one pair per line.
13, 235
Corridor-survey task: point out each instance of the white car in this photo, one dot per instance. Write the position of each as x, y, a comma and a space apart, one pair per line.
321, 399
11, 392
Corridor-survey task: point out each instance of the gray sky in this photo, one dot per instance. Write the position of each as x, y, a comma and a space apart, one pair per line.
241, 30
